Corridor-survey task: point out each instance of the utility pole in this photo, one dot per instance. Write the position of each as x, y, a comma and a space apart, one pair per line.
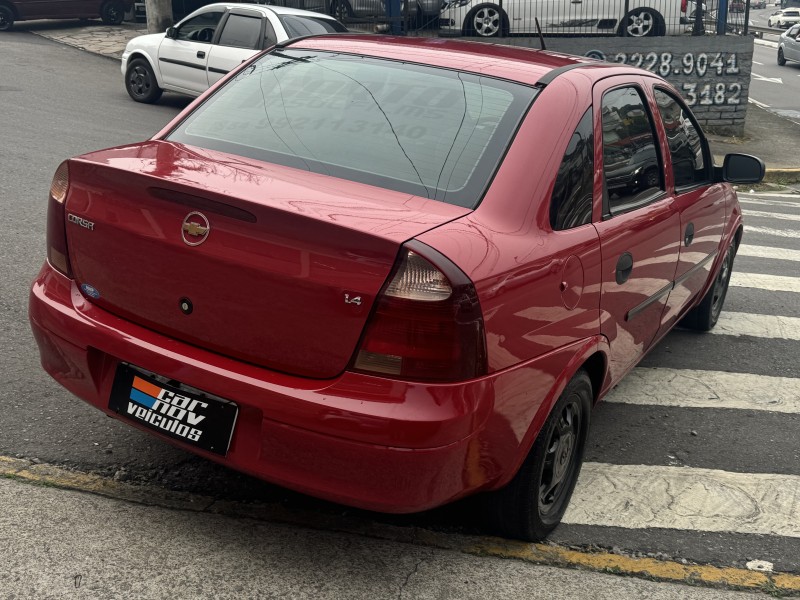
159, 15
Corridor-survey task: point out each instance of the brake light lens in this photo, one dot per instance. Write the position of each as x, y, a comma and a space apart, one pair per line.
57, 253
427, 323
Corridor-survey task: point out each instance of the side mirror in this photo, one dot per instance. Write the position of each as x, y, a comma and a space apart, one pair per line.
742, 168
171, 32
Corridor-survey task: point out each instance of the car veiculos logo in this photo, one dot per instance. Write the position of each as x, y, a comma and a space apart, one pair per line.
162, 408
195, 229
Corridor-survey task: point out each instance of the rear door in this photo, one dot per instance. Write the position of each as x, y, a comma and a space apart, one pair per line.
243, 34
640, 225
700, 202
182, 59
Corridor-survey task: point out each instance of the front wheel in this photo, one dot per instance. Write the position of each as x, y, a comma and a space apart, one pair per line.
6, 18
485, 21
705, 315
112, 12
532, 504
781, 58
642, 22
140, 81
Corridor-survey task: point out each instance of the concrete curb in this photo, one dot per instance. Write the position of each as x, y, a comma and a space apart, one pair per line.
782, 176
541, 554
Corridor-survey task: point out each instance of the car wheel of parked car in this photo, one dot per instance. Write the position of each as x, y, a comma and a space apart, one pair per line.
341, 9
141, 83
642, 22
781, 58
486, 21
112, 12
705, 315
6, 18
532, 504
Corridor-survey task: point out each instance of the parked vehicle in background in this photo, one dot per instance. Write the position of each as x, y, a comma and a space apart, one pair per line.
784, 18
736, 6
789, 45
759, 4
644, 18
110, 11
203, 47
418, 11
354, 268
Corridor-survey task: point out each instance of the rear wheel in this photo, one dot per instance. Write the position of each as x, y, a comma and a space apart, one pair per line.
485, 21
532, 504
112, 12
642, 22
781, 58
6, 18
705, 315
341, 10
140, 81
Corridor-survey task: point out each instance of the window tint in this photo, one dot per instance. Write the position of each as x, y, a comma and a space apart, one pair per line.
200, 28
633, 172
571, 204
270, 39
689, 165
436, 133
296, 26
241, 32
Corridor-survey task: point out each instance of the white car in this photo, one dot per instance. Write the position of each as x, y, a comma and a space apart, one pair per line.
644, 17
197, 52
789, 45
784, 18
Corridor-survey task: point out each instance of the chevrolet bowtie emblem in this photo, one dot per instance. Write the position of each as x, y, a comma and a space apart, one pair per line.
195, 228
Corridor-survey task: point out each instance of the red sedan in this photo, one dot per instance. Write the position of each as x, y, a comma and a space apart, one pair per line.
390, 272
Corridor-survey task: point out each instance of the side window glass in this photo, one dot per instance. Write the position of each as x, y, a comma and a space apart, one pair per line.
200, 28
241, 32
633, 172
571, 203
270, 39
686, 147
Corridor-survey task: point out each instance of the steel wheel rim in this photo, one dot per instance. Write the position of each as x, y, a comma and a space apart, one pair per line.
487, 21
112, 12
139, 81
640, 24
561, 458
720, 284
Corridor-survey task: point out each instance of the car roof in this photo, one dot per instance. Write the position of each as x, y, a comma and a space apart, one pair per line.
263, 8
524, 65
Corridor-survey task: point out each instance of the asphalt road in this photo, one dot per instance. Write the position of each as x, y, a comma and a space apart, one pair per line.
57, 102
773, 87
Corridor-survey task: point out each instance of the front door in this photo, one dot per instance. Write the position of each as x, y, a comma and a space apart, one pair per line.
182, 59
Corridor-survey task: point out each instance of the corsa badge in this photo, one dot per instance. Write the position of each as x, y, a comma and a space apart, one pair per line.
195, 229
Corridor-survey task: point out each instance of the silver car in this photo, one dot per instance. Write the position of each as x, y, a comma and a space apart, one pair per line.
789, 45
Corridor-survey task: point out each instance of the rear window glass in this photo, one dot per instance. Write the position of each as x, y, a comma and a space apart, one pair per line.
432, 132
296, 25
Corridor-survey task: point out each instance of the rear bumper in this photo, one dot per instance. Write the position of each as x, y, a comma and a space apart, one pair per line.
364, 441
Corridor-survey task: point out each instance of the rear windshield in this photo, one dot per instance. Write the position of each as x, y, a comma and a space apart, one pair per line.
427, 131
296, 25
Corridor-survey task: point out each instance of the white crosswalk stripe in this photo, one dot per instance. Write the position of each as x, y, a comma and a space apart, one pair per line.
638, 497
771, 215
707, 389
768, 252
775, 283
762, 202
786, 233
764, 326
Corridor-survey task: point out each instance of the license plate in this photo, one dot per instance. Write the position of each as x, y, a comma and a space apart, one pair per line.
173, 409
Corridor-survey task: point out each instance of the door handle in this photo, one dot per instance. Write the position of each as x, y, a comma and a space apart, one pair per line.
688, 235
624, 267
201, 54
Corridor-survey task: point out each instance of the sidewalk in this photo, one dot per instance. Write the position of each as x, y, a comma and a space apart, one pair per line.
774, 139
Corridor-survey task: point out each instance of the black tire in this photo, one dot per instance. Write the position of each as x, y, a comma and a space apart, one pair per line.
651, 178
642, 22
141, 83
486, 20
6, 18
112, 12
341, 10
705, 315
532, 504
781, 58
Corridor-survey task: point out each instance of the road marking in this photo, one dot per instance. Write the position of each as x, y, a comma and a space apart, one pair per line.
689, 388
755, 62
789, 233
766, 43
778, 203
774, 283
758, 77
771, 215
768, 252
763, 326
644, 497
757, 103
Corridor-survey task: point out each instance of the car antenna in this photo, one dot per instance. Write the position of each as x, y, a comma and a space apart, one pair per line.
541, 37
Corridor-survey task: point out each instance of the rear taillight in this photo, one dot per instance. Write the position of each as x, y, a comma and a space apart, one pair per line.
427, 323
57, 253
684, 5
